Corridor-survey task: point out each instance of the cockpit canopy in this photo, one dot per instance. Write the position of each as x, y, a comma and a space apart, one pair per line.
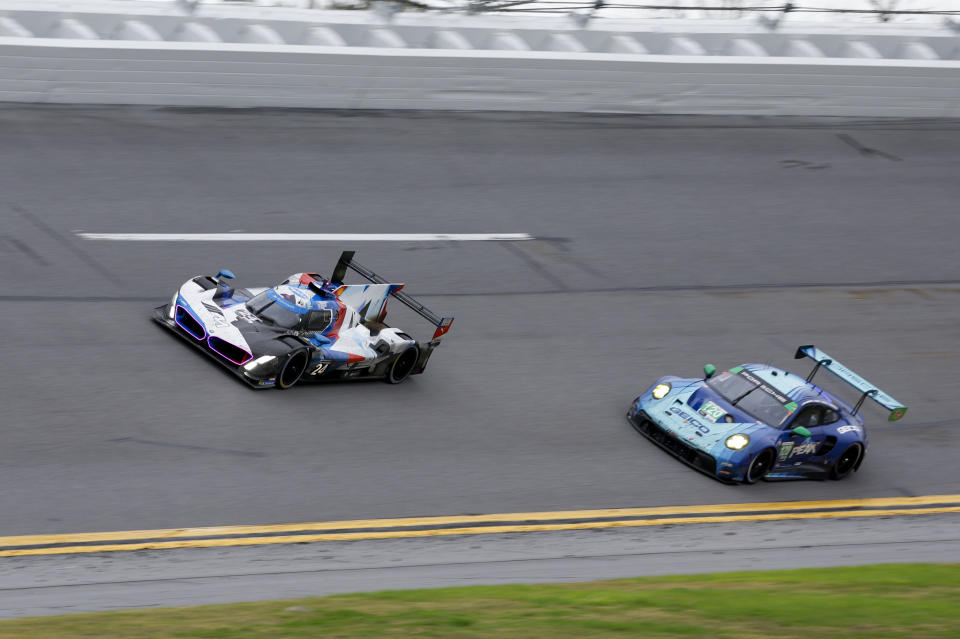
293, 308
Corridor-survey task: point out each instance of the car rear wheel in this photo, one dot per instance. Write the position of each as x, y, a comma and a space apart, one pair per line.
403, 365
847, 461
759, 466
292, 370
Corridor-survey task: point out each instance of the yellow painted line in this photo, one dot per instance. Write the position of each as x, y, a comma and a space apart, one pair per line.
223, 531
437, 532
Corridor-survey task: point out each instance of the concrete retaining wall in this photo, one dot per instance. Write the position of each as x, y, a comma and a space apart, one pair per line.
451, 62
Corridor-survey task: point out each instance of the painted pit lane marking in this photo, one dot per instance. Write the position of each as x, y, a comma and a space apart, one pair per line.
307, 237
367, 529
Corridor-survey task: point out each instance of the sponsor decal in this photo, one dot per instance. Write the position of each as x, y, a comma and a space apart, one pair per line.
245, 315
690, 419
785, 449
212, 308
848, 429
780, 397
804, 449
711, 411
321, 367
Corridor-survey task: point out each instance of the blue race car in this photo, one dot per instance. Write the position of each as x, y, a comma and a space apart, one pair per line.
757, 421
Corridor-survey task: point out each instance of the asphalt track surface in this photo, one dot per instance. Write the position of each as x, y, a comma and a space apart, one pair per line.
663, 243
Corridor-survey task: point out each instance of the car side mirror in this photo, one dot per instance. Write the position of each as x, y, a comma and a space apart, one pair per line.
224, 273
709, 370
801, 431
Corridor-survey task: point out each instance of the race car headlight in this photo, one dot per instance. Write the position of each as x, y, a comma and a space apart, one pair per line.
660, 390
738, 441
263, 360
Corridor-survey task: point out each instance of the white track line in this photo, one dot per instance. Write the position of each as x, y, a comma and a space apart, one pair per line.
307, 237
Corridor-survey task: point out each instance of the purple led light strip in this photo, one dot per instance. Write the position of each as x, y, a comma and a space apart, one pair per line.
176, 319
227, 357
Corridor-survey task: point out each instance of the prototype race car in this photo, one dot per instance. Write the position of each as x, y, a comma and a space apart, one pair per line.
756, 421
306, 328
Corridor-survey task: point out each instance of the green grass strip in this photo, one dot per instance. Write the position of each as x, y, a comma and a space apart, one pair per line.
913, 601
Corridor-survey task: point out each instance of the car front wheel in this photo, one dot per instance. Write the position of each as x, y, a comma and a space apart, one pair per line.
759, 466
292, 370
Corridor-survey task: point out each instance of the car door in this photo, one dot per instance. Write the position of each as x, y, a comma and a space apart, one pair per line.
795, 452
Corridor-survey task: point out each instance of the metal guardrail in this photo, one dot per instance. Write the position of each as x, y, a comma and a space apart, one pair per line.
348, 29
723, 9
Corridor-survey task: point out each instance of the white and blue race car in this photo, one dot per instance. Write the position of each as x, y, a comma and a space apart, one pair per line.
757, 421
306, 328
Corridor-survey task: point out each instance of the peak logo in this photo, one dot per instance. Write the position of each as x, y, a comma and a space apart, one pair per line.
690, 419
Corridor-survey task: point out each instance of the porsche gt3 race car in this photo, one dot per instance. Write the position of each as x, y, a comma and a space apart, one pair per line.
756, 421
306, 328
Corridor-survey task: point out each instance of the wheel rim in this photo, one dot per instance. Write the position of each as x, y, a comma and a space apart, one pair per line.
404, 364
292, 370
848, 459
761, 464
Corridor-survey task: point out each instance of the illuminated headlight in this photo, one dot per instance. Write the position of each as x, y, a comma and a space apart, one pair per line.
660, 391
263, 360
173, 305
738, 441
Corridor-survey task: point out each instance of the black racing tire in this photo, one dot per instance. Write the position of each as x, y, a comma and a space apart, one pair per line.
403, 365
848, 461
759, 466
292, 369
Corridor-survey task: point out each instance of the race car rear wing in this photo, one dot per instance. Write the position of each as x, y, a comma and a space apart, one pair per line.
346, 261
897, 410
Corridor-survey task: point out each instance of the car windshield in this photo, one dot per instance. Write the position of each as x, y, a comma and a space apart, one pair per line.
731, 386
764, 407
751, 395
268, 309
